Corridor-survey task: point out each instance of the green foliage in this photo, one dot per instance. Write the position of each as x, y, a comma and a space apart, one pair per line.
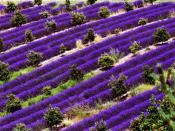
134, 47
128, 6
51, 25
106, 61
53, 116
78, 18
142, 21
161, 35
148, 75
89, 37
117, 31
18, 19
68, 5
34, 58
21, 127
47, 90
4, 71
45, 14
149, 1
118, 86
104, 12
13, 103
1, 45
100, 126
37, 2
63, 48
115, 54
11, 6
28, 36
75, 73
90, 2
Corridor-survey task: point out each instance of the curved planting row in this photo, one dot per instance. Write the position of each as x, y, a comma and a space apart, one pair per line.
50, 45
118, 115
90, 90
63, 21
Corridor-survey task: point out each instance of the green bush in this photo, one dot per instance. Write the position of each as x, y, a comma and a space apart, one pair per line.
104, 12
100, 126
51, 25
53, 116
1, 45
148, 75
161, 35
68, 5
34, 58
11, 6
150, 1
117, 31
21, 127
142, 21
134, 47
128, 6
75, 73
44, 14
63, 48
47, 90
18, 19
89, 37
78, 18
13, 103
28, 36
106, 61
37, 2
4, 71
90, 2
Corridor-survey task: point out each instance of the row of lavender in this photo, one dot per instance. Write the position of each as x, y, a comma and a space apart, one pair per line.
53, 74
91, 90
49, 46
63, 21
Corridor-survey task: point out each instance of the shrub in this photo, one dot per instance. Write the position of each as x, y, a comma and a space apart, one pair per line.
53, 116
104, 12
134, 47
117, 31
75, 73
63, 48
13, 103
118, 86
37, 2
21, 127
4, 71
11, 6
68, 5
51, 25
149, 1
34, 58
148, 75
100, 126
105, 61
1, 45
161, 35
45, 14
46, 90
89, 37
142, 21
28, 36
128, 6
78, 18
90, 2
115, 54
18, 19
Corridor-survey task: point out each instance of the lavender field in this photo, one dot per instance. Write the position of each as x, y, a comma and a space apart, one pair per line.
87, 65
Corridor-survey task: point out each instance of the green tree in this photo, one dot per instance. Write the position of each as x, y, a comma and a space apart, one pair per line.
68, 5
21, 127
100, 126
134, 47
34, 58
128, 6
106, 61
4, 71
47, 90
11, 6
37, 2
161, 35
45, 14
63, 48
150, 1
148, 75
28, 36
51, 25
90, 2
1, 45
142, 21
18, 19
78, 18
104, 12
75, 73
89, 37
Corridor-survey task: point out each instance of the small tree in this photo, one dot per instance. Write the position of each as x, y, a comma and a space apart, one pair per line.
4, 71
118, 86
46, 90
21, 127
1, 45
90, 2
75, 73
45, 14
18, 19
28, 36
100, 126
106, 61
89, 37
51, 25
63, 48
34, 58
53, 116
142, 21
68, 5
150, 1
11, 6
117, 31
104, 12
134, 47
161, 35
78, 18
37, 2
148, 75
13, 103
128, 6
